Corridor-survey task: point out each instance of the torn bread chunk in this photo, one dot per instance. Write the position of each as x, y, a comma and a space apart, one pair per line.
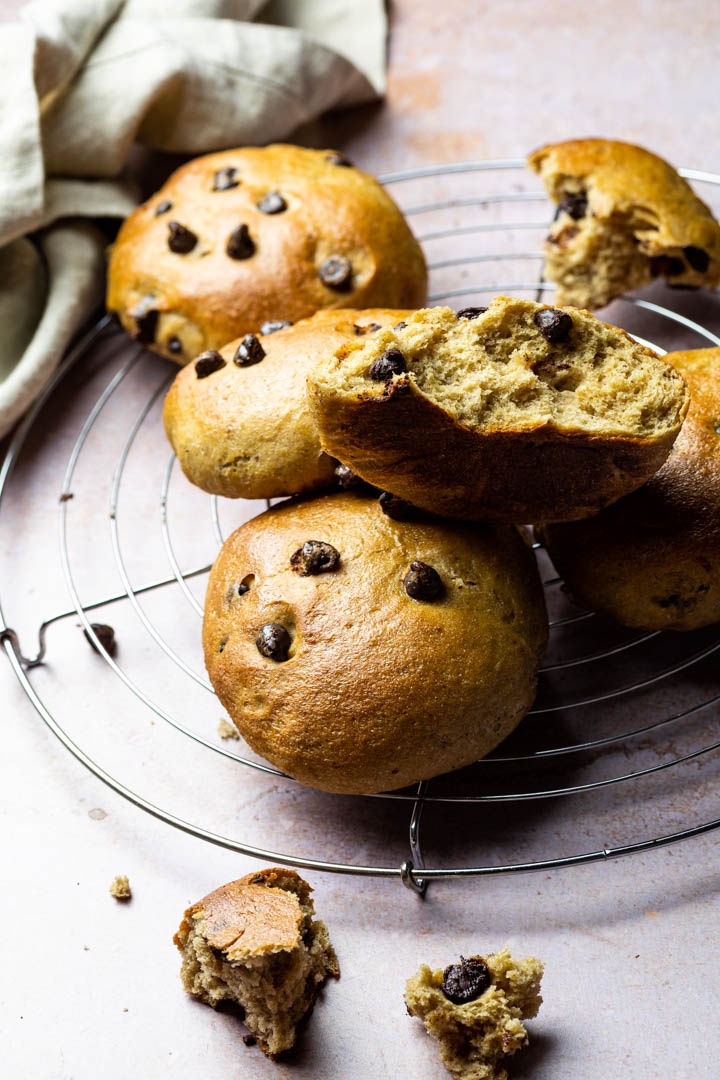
518, 412
255, 942
475, 1010
624, 216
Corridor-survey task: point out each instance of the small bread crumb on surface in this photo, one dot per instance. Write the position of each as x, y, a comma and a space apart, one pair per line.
226, 730
479, 1026
120, 887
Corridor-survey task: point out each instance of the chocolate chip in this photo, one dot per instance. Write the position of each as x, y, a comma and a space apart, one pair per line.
258, 879
249, 352
272, 203
554, 325
249, 1040
180, 239
346, 478
221, 646
336, 158
667, 266
314, 557
698, 259
369, 329
208, 362
422, 582
274, 641
273, 325
225, 178
240, 244
336, 272
105, 635
396, 508
400, 326
574, 204
471, 312
146, 319
163, 207
218, 953
465, 981
174, 345
242, 588
392, 362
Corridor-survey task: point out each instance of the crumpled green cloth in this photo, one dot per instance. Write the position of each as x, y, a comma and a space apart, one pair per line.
82, 80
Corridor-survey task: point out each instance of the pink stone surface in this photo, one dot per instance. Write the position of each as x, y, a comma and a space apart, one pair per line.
90, 987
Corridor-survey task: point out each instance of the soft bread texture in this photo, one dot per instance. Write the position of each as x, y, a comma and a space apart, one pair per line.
179, 304
624, 217
256, 942
652, 560
477, 1037
490, 420
247, 432
379, 689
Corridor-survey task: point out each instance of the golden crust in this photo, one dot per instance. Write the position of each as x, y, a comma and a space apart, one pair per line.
379, 690
636, 195
204, 298
652, 560
247, 432
395, 437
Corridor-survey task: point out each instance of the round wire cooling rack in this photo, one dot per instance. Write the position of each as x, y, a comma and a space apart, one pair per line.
617, 711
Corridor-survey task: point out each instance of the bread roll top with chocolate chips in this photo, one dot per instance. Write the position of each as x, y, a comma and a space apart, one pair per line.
517, 412
410, 647
652, 560
238, 419
262, 233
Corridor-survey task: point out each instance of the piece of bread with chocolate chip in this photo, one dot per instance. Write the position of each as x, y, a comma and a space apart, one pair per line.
475, 1010
517, 412
257, 943
236, 239
359, 651
624, 217
652, 560
238, 420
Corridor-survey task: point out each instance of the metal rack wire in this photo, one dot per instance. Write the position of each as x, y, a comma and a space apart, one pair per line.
483, 216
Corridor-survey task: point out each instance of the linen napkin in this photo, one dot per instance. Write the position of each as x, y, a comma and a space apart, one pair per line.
82, 80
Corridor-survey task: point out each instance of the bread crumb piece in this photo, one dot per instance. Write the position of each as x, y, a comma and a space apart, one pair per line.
477, 1031
226, 730
120, 887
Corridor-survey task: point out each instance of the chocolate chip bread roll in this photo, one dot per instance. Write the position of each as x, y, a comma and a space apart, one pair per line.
652, 560
359, 652
518, 412
256, 942
240, 238
238, 419
624, 217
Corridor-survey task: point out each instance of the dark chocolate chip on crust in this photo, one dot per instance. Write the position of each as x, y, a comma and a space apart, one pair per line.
274, 642
574, 204
272, 203
697, 258
249, 352
105, 635
346, 478
315, 557
392, 362
471, 312
336, 158
163, 207
370, 328
553, 324
240, 244
146, 319
422, 582
273, 325
396, 508
466, 981
400, 326
225, 178
181, 240
207, 363
258, 879
174, 345
336, 272
249, 1040
667, 265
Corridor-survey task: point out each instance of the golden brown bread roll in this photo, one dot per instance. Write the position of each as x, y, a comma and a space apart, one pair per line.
517, 412
624, 217
359, 653
245, 430
652, 560
259, 234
